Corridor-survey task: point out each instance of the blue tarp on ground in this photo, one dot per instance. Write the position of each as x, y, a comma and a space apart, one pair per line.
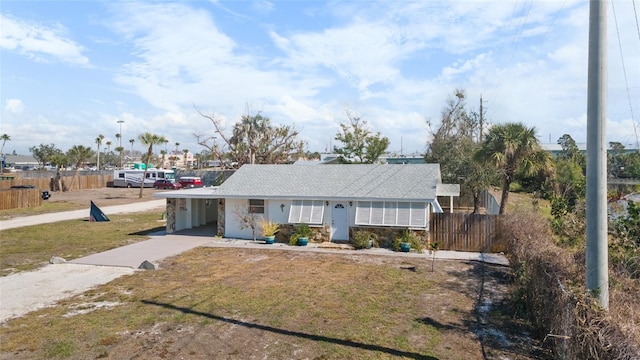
95, 214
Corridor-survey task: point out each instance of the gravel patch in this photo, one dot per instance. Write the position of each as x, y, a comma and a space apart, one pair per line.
28, 291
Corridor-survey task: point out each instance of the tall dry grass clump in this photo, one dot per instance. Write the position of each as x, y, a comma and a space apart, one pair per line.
550, 291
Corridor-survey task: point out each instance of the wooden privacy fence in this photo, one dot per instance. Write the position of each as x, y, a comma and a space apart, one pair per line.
82, 182
19, 198
466, 232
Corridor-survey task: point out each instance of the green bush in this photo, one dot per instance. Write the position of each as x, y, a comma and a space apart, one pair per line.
363, 239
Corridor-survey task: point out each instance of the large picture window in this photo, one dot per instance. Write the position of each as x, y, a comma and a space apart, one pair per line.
306, 211
392, 213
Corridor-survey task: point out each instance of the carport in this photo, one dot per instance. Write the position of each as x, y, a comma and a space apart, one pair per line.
191, 208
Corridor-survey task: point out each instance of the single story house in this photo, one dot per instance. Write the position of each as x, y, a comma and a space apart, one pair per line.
334, 198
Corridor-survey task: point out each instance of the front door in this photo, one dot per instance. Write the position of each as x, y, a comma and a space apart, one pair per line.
339, 224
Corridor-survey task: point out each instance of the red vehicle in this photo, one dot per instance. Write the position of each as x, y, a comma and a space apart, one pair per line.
190, 181
166, 184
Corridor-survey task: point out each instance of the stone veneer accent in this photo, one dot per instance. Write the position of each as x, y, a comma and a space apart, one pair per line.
221, 216
322, 234
171, 215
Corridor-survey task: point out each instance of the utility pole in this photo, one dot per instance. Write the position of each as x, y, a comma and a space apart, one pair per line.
481, 120
597, 257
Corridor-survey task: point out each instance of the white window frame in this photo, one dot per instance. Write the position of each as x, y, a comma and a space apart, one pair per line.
392, 213
306, 212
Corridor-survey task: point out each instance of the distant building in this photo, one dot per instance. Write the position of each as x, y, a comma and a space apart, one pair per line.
21, 162
555, 149
411, 159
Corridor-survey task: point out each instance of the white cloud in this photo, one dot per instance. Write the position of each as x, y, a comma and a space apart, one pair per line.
39, 42
394, 62
14, 106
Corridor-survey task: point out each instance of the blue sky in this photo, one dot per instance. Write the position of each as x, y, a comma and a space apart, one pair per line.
70, 70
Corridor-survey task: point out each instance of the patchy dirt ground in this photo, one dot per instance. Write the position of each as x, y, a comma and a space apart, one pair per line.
104, 196
257, 304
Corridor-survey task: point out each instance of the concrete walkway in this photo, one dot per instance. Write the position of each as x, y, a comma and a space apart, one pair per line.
155, 249
79, 214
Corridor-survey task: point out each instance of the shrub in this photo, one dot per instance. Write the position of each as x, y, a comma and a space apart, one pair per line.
549, 288
363, 239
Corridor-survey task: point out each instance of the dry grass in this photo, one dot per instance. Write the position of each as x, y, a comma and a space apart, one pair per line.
551, 289
47, 207
30, 247
244, 304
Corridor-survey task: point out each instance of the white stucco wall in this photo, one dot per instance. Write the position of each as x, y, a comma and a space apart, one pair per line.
273, 211
183, 218
232, 227
196, 214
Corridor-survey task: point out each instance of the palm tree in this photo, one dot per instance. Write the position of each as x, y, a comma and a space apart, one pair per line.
4, 139
131, 141
78, 155
148, 139
99, 142
176, 152
185, 152
512, 147
118, 139
59, 160
164, 154
120, 150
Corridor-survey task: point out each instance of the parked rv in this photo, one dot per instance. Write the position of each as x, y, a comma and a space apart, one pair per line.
133, 178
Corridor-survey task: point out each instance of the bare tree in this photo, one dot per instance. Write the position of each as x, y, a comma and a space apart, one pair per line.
254, 140
246, 219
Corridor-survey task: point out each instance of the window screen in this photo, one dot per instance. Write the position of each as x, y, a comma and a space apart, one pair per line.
392, 213
306, 211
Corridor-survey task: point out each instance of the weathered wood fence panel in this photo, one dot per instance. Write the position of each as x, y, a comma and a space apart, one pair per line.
466, 232
81, 182
19, 198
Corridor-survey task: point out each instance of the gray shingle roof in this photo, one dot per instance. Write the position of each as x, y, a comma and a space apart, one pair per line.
353, 182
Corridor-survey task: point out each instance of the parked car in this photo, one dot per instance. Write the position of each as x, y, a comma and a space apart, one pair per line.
166, 184
190, 181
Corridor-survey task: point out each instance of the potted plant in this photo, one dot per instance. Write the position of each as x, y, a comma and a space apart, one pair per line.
269, 230
301, 236
406, 241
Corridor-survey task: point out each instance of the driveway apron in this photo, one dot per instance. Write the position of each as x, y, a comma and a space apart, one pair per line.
157, 248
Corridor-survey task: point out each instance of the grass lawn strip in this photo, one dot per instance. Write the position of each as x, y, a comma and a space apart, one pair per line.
30, 247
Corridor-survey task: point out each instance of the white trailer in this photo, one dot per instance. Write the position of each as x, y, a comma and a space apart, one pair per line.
133, 178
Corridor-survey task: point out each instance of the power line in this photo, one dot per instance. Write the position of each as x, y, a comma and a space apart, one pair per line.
624, 72
636, 15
